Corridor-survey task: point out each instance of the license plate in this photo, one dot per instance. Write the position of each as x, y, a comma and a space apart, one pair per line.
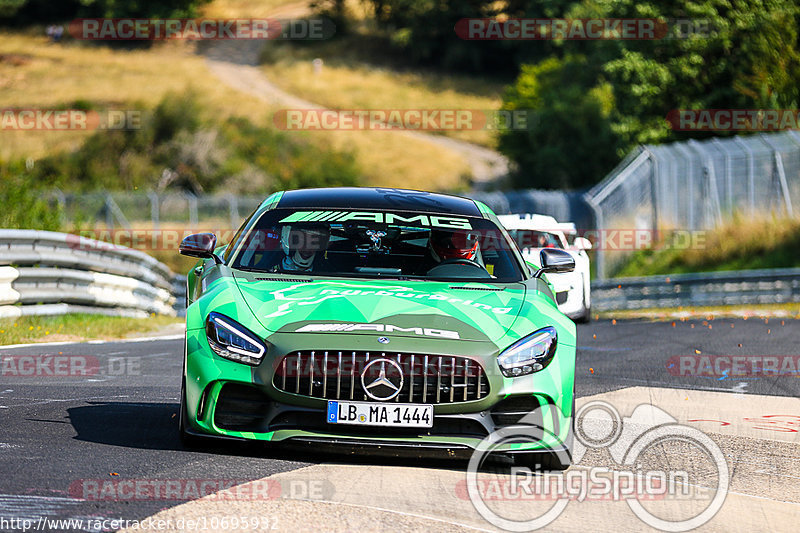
380, 414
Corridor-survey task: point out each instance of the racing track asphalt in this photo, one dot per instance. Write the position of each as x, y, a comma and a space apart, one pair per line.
120, 423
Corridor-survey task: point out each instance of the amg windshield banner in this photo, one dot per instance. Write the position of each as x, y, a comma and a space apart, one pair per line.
437, 221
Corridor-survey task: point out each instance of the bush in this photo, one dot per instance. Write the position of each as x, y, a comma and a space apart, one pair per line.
24, 208
178, 147
569, 142
20, 12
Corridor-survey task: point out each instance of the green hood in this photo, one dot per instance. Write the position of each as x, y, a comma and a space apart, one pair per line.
473, 311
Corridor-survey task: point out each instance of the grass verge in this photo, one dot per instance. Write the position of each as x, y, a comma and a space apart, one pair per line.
248, 8
349, 81
362, 70
743, 244
80, 327
35, 73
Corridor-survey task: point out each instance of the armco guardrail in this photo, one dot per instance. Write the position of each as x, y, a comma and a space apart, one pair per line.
47, 273
703, 289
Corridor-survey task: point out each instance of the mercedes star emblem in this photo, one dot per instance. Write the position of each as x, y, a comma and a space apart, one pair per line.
383, 340
388, 383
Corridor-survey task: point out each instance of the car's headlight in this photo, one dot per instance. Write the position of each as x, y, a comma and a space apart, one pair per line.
233, 341
529, 354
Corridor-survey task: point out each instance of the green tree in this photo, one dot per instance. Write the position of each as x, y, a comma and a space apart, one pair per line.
598, 99
38, 11
180, 147
23, 205
569, 142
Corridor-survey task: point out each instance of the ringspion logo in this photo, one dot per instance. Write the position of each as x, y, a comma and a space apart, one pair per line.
629, 441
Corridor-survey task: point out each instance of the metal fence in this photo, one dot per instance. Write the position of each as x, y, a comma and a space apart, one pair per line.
132, 210
49, 273
693, 185
564, 206
697, 185
150, 210
780, 285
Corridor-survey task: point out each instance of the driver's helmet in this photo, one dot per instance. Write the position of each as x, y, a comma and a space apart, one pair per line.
301, 243
453, 244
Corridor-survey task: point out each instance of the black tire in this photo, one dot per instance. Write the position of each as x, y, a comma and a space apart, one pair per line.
187, 439
585, 317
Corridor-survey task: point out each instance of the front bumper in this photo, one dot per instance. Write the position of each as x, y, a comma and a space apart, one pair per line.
231, 400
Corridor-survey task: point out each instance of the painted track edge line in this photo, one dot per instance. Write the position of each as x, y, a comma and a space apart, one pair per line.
112, 341
393, 511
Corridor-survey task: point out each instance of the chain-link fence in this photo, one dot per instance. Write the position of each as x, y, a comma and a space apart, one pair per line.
131, 210
697, 185
565, 206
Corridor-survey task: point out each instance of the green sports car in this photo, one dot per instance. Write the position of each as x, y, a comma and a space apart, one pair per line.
375, 317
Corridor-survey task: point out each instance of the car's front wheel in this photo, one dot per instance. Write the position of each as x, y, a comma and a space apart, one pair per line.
585, 317
187, 439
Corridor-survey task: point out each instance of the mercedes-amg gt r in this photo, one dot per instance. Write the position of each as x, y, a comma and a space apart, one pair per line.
376, 317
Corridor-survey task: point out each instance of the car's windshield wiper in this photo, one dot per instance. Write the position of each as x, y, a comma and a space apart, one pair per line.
259, 270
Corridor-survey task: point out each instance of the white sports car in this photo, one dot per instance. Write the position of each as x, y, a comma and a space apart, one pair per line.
532, 233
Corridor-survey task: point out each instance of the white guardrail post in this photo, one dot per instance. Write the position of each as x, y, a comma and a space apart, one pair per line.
49, 273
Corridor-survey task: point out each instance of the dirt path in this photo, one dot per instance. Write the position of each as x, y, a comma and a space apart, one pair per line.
235, 63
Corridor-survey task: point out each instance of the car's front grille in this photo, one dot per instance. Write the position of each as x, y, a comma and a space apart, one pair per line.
337, 375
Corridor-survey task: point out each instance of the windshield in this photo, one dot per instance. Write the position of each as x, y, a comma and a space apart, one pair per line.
526, 239
377, 244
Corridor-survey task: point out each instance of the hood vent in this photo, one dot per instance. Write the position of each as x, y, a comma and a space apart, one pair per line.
287, 280
490, 289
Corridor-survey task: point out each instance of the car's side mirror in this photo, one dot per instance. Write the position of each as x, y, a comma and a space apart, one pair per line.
200, 245
582, 243
555, 261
